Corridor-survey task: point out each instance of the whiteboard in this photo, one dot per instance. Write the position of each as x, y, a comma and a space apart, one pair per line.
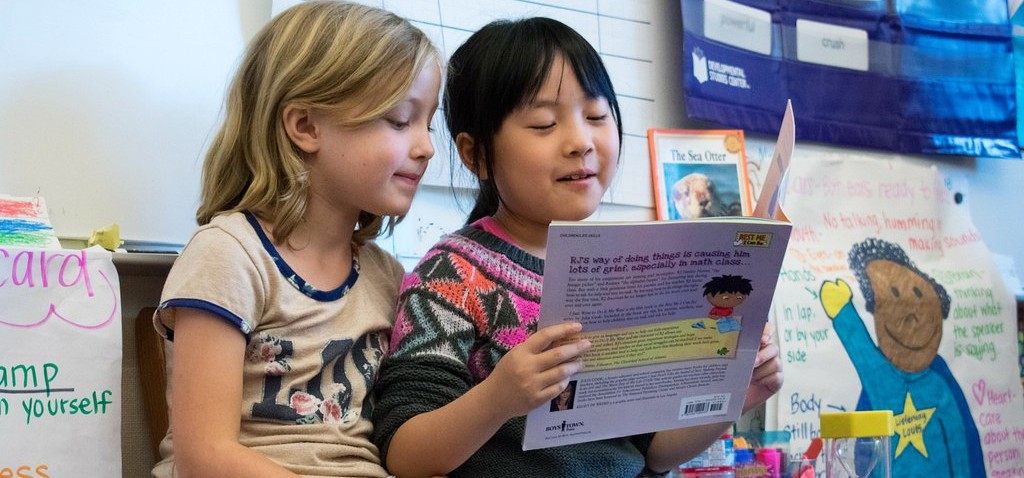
106, 108
636, 41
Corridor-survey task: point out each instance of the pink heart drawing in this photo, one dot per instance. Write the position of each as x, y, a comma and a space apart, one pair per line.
978, 389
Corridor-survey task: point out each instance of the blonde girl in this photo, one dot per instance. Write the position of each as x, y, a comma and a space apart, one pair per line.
280, 305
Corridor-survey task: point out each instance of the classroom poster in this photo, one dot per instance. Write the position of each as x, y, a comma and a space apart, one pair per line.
889, 299
60, 365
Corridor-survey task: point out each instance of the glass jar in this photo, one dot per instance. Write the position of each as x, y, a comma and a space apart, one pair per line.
857, 444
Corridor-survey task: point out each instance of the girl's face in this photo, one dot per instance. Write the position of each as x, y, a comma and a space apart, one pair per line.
555, 156
377, 166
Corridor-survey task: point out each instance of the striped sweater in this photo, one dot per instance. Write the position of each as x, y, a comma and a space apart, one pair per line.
472, 298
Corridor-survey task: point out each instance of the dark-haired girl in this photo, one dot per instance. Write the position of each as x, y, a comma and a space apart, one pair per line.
534, 117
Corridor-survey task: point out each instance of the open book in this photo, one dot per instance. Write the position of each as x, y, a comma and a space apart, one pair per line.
674, 310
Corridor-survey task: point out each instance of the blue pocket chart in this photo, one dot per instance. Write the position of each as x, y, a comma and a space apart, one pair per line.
910, 76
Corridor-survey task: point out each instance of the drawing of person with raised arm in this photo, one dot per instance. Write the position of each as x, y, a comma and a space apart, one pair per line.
935, 433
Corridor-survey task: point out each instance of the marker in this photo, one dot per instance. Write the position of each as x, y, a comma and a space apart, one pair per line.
810, 456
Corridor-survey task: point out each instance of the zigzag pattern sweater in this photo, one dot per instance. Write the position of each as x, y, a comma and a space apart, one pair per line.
472, 298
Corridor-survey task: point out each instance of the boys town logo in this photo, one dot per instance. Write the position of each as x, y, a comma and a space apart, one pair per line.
565, 426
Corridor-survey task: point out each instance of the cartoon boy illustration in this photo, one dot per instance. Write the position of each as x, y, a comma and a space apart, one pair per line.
935, 432
725, 293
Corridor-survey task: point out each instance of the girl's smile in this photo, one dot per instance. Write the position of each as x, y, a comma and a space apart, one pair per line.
579, 176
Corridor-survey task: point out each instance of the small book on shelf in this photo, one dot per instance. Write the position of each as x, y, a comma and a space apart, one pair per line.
699, 173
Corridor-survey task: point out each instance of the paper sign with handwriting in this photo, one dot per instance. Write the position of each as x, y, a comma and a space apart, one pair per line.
889, 300
60, 365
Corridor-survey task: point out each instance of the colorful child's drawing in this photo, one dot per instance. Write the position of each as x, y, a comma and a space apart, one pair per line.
24, 223
725, 292
935, 433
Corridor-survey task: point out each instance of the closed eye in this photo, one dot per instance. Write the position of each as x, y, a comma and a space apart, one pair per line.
398, 124
543, 127
598, 118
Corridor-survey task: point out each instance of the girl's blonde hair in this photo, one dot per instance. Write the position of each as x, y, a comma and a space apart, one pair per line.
322, 55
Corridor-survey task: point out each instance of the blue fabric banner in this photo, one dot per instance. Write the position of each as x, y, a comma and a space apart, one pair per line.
910, 76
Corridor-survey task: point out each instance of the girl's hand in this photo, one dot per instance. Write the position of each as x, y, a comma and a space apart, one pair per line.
528, 376
535, 371
767, 377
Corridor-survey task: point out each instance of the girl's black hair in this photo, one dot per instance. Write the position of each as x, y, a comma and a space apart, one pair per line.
501, 67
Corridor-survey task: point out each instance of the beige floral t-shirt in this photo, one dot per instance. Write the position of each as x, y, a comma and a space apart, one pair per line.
312, 355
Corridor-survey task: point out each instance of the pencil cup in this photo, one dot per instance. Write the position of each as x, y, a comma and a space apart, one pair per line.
857, 444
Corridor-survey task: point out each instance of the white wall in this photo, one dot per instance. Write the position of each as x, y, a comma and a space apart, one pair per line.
106, 109
996, 198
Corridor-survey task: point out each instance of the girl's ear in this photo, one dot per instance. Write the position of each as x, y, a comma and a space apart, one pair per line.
301, 128
464, 143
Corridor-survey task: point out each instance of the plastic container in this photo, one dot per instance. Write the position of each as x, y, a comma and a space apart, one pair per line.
747, 466
708, 472
744, 456
771, 458
717, 461
857, 444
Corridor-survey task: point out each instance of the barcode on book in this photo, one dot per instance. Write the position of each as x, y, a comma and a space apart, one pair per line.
694, 408
704, 405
